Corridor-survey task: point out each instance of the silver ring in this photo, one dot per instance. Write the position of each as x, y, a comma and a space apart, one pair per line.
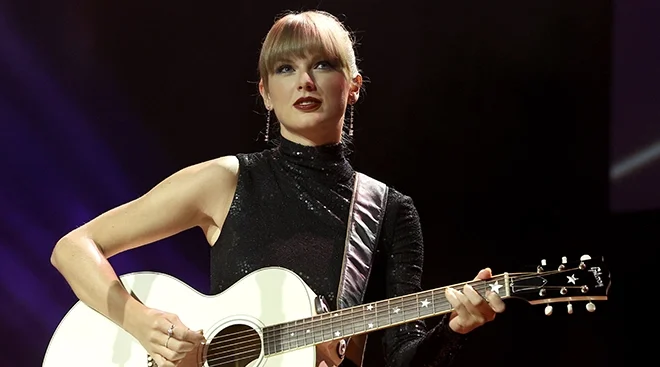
167, 341
170, 331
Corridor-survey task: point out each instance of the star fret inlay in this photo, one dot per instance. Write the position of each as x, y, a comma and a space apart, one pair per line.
495, 287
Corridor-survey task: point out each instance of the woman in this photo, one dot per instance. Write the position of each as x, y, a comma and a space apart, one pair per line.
287, 206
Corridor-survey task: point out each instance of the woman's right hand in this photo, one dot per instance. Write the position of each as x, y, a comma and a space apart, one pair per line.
165, 337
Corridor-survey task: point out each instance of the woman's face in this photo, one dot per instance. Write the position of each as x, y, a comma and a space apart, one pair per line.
309, 97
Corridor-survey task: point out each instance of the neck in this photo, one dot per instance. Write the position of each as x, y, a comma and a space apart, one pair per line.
366, 318
313, 137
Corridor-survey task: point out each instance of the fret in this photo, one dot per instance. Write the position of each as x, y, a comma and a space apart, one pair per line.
278, 345
308, 331
348, 326
425, 304
434, 301
295, 334
286, 341
319, 329
364, 318
326, 326
382, 317
481, 287
396, 311
267, 342
409, 307
360, 320
370, 317
336, 325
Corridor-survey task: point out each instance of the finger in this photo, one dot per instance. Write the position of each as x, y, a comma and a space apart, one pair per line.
174, 344
481, 307
194, 337
484, 274
162, 361
168, 353
460, 304
470, 311
496, 303
454, 301
182, 332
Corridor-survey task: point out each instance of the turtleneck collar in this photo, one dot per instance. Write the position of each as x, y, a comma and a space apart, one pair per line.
326, 162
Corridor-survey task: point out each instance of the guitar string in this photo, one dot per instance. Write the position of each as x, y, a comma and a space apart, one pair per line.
228, 355
274, 329
356, 314
358, 317
233, 355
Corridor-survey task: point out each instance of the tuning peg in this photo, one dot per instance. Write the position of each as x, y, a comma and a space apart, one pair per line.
591, 307
548, 310
539, 268
569, 308
585, 258
564, 260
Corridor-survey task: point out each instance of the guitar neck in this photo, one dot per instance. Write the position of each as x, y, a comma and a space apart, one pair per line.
369, 317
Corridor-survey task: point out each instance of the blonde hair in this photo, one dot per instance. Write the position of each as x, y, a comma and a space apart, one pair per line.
301, 34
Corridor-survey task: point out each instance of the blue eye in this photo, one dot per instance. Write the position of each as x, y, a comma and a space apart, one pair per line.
325, 64
283, 69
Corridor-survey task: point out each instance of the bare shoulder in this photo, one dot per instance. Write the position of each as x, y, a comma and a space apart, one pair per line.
218, 172
215, 180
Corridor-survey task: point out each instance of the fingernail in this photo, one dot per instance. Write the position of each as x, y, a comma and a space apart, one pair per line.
469, 286
200, 332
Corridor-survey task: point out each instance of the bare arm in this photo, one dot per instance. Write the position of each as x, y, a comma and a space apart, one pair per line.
191, 197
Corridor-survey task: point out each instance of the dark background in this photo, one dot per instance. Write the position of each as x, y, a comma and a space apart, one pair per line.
495, 116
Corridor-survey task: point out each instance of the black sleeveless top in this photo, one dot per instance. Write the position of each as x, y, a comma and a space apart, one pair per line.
291, 208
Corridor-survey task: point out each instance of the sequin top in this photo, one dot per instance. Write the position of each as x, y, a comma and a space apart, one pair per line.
290, 209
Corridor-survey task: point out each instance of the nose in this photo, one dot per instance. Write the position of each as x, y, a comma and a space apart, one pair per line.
306, 82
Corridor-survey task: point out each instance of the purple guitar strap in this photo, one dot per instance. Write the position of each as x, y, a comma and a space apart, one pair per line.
362, 233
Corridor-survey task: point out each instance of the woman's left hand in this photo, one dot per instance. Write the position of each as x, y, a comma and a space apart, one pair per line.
471, 310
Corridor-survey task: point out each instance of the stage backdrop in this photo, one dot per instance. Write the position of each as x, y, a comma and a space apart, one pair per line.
492, 115
635, 137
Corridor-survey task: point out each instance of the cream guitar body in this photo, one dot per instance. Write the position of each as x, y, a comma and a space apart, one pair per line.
233, 321
271, 318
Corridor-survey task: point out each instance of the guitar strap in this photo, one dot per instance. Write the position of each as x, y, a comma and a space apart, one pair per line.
362, 233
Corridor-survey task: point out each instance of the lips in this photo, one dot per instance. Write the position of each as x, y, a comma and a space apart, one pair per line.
307, 103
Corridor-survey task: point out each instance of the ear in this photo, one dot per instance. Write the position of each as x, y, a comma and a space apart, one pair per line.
264, 95
354, 93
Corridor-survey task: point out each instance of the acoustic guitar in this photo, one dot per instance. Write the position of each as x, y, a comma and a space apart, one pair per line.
271, 318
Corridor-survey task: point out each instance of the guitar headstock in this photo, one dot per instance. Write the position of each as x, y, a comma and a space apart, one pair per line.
586, 280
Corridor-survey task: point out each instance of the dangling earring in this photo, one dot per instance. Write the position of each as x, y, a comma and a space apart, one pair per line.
350, 123
267, 126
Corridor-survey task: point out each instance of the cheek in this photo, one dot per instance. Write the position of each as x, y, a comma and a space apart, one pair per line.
277, 95
338, 88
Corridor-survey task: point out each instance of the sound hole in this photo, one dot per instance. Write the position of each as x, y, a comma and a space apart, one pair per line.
235, 346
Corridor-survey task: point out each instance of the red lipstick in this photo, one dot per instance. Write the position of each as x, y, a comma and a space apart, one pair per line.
307, 104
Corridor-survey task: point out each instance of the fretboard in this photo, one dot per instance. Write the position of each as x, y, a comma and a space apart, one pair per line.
366, 318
